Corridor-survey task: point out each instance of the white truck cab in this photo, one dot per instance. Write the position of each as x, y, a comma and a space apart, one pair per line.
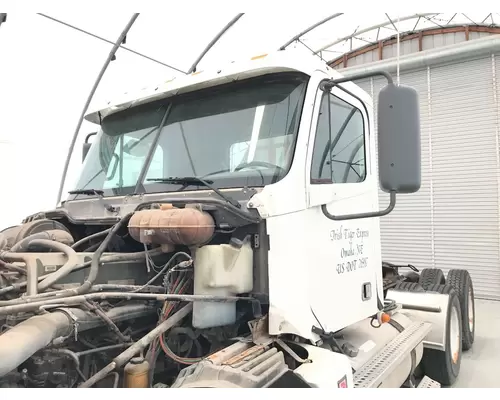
308, 151
266, 173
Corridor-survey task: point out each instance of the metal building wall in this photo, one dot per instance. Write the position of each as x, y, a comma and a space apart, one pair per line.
454, 220
412, 46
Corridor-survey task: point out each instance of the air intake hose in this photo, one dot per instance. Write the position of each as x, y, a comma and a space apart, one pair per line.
23, 340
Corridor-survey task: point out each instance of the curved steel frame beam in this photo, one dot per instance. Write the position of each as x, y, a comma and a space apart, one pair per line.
212, 43
298, 36
111, 54
372, 28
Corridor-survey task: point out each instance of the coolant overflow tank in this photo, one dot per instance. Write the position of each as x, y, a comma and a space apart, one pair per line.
220, 270
175, 226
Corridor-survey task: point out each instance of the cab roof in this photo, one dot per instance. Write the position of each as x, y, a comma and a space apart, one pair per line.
281, 61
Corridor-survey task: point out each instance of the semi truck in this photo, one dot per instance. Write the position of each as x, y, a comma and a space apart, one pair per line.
224, 233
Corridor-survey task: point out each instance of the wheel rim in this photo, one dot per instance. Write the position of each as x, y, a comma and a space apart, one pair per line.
454, 335
471, 310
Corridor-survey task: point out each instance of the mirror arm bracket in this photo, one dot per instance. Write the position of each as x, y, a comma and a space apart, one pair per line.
375, 214
330, 83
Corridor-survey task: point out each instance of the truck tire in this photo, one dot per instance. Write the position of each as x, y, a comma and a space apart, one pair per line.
438, 288
408, 287
431, 276
444, 366
462, 283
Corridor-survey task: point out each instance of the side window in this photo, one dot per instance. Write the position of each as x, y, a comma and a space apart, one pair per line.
339, 146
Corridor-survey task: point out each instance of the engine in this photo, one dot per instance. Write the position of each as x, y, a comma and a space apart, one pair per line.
167, 296
131, 304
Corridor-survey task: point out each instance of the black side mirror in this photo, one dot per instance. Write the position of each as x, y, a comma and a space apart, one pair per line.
399, 155
87, 145
3, 18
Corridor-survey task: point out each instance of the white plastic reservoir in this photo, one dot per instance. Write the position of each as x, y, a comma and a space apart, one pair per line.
221, 270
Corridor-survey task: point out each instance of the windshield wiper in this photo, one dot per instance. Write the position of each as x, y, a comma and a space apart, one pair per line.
192, 181
88, 192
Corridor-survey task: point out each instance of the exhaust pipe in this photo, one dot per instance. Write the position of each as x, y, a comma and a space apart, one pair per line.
23, 340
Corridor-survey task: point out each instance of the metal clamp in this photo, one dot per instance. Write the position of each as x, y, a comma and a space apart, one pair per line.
74, 320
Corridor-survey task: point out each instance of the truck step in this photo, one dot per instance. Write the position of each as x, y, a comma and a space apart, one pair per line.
428, 383
378, 368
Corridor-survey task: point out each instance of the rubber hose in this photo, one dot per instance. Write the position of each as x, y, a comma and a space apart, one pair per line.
94, 266
138, 346
25, 339
78, 300
3, 242
94, 270
57, 235
65, 270
90, 237
13, 267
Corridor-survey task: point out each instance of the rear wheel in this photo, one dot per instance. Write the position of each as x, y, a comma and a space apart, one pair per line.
462, 283
431, 276
444, 366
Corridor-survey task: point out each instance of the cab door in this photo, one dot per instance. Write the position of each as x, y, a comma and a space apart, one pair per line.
344, 254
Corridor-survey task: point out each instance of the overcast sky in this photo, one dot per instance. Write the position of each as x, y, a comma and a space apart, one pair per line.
48, 69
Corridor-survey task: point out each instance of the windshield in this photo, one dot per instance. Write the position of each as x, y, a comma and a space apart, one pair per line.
235, 135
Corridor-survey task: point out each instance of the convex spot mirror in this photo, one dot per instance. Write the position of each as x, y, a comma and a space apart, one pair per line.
399, 153
136, 147
87, 145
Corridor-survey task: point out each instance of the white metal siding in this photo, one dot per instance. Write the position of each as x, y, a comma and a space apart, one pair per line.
465, 173
411, 46
454, 220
